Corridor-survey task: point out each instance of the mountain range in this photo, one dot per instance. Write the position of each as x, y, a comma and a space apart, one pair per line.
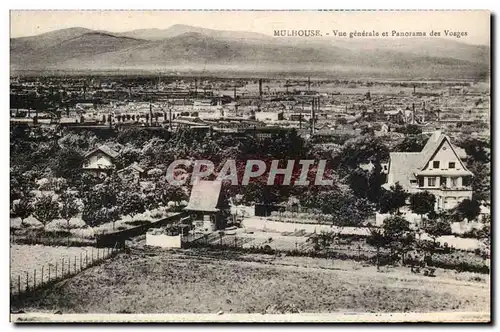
183, 48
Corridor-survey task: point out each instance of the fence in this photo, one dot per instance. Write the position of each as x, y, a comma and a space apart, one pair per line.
64, 268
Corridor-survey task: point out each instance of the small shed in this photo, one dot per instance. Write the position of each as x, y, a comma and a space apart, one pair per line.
207, 206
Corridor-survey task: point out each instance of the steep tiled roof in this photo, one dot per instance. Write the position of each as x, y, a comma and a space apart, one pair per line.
403, 166
105, 149
205, 196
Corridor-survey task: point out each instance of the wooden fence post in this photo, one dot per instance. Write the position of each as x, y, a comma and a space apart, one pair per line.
81, 261
69, 265
49, 272
56, 270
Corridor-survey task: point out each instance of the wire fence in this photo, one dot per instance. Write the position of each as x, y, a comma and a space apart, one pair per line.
48, 274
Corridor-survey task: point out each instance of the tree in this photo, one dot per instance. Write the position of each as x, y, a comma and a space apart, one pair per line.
436, 227
46, 209
66, 162
68, 207
422, 202
23, 208
131, 203
101, 203
398, 235
378, 240
358, 181
469, 209
413, 143
392, 200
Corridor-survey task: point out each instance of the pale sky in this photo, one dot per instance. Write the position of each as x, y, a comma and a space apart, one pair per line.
475, 23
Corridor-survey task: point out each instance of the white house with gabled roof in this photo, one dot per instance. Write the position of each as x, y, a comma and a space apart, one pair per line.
438, 169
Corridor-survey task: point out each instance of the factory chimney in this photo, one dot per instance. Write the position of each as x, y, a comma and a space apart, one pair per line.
423, 112
234, 92
260, 87
413, 113
170, 118
309, 84
313, 115
150, 114
414, 89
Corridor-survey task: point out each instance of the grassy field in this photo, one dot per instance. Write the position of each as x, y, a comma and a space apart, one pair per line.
205, 281
25, 259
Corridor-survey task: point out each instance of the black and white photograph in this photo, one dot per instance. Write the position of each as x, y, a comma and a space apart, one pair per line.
250, 166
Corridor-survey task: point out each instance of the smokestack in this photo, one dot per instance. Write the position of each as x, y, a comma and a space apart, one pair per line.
150, 114
234, 92
308, 84
313, 116
413, 113
260, 87
414, 88
195, 87
423, 112
170, 117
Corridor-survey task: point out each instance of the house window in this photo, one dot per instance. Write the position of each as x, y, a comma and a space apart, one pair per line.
454, 182
435, 164
420, 181
451, 165
431, 182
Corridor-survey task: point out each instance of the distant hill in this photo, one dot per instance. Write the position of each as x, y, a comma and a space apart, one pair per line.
184, 48
180, 29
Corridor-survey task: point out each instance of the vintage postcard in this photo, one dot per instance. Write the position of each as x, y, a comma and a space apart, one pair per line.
250, 166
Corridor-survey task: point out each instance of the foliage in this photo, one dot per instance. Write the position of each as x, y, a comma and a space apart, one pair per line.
68, 206
422, 202
23, 208
436, 227
469, 209
412, 143
131, 202
392, 200
45, 209
398, 235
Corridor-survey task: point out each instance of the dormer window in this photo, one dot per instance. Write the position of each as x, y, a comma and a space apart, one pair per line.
451, 165
435, 164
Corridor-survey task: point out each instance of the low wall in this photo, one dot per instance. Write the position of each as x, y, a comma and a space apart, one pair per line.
163, 241
112, 239
275, 226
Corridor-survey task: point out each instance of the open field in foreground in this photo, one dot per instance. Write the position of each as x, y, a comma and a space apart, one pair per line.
204, 281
